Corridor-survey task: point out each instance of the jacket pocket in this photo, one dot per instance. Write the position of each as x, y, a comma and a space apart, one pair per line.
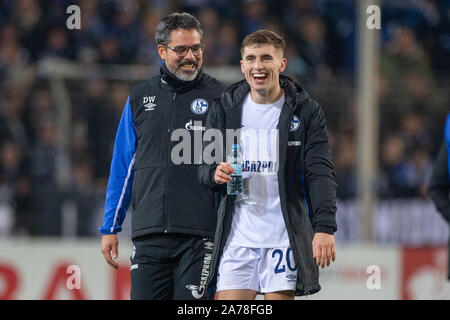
148, 198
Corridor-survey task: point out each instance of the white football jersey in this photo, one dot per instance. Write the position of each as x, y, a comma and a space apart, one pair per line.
257, 217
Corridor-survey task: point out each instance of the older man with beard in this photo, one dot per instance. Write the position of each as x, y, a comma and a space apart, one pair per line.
174, 216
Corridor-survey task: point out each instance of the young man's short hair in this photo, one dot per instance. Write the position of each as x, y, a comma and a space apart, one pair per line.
262, 37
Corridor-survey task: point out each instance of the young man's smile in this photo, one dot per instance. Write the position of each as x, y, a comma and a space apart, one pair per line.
261, 66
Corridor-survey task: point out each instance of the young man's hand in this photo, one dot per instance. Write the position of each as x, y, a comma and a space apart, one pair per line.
223, 173
323, 249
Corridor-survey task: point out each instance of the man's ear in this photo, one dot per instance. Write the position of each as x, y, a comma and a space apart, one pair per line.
242, 66
283, 65
162, 51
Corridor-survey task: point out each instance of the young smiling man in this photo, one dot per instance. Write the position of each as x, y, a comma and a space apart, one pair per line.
272, 240
174, 216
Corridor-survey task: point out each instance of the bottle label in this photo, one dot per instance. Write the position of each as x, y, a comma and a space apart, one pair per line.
237, 168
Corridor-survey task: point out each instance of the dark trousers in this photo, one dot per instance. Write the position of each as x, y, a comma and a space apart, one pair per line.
170, 266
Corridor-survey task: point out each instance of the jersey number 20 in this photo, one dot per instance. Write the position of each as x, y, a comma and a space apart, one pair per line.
279, 268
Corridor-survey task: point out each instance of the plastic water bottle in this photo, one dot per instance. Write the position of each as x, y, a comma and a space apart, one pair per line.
234, 187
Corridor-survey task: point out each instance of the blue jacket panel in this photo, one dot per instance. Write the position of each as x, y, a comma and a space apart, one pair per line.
118, 192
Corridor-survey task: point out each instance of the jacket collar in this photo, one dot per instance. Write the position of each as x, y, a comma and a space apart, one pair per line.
235, 94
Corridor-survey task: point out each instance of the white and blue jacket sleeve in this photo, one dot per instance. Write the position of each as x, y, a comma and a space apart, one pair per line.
118, 192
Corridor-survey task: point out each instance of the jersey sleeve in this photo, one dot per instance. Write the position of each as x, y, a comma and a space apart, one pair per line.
118, 192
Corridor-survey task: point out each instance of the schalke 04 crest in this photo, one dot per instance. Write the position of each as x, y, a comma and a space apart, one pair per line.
199, 106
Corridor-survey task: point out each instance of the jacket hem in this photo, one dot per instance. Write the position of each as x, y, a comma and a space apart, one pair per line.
308, 291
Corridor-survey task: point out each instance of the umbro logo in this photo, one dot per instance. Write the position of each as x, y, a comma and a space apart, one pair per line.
149, 103
291, 278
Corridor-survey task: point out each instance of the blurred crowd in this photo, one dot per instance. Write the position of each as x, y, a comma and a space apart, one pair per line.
413, 89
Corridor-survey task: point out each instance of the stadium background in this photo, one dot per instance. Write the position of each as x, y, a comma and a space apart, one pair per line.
62, 93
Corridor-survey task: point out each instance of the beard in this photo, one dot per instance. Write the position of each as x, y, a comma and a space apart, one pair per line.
181, 74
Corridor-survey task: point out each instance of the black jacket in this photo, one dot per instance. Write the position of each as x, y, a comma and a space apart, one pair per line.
166, 197
306, 175
439, 186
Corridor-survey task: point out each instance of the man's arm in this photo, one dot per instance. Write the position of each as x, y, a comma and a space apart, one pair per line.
118, 192
321, 186
439, 186
320, 174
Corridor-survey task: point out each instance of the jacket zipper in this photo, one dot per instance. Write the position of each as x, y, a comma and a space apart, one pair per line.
174, 96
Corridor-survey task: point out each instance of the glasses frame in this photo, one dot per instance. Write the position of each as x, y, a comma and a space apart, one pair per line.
174, 49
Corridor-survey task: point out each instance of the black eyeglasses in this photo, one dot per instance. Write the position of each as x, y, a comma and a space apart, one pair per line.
181, 51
